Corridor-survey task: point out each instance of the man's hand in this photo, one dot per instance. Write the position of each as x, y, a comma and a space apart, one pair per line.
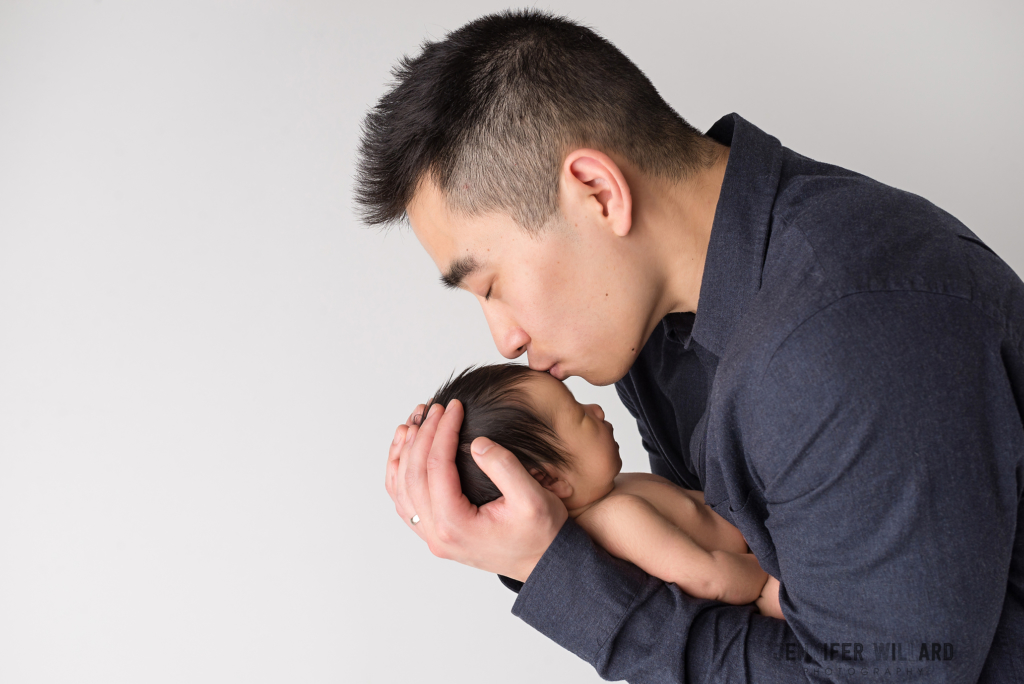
507, 536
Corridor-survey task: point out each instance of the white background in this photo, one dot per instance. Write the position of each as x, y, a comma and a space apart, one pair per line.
203, 355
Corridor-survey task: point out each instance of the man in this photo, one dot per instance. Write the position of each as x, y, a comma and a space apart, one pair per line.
835, 364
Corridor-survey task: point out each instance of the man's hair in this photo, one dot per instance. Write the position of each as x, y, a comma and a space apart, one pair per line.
489, 113
496, 406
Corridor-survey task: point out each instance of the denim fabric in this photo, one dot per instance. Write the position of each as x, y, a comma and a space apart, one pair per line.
847, 395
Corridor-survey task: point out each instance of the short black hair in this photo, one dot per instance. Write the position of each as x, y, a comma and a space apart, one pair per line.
495, 406
489, 113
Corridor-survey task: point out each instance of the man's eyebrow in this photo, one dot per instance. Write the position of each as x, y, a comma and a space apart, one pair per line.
457, 271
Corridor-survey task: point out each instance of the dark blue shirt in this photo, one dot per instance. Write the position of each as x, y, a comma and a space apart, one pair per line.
848, 395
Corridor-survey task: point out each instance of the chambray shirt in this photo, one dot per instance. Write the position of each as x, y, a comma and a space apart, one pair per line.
848, 395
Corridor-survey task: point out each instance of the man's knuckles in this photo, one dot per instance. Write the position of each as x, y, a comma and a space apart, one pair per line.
436, 463
445, 533
412, 478
439, 550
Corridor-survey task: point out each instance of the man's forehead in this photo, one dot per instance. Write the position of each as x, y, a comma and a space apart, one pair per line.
432, 221
451, 252
457, 242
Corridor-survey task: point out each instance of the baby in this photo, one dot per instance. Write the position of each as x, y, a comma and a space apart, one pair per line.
665, 530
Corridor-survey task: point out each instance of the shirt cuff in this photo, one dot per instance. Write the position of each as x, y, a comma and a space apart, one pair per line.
578, 593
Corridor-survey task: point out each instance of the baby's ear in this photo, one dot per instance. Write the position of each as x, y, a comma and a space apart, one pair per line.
541, 476
557, 485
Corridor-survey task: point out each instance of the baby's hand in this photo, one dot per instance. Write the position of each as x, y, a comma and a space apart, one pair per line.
768, 603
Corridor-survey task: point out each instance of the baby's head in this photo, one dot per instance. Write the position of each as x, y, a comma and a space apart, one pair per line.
567, 446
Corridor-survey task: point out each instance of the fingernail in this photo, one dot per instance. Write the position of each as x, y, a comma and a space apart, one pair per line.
398, 436
450, 402
481, 445
408, 435
434, 408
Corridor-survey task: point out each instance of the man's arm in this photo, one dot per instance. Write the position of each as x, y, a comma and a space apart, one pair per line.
888, 462
635, 627
888, 437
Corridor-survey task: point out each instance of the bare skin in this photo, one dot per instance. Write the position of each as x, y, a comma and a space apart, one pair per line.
421, 478
663, 529
580, 298
671, 534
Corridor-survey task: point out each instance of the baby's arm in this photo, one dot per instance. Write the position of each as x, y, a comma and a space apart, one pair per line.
629, 527
768, 604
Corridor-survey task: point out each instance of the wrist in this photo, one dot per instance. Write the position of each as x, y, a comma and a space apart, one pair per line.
526, 566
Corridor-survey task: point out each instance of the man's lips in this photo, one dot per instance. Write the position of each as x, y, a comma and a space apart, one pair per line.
552, 369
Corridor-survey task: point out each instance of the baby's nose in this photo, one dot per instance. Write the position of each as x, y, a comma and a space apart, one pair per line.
598, 411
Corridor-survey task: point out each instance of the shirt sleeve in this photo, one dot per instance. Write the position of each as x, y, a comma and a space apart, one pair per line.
888, 443
885, 438
634, 627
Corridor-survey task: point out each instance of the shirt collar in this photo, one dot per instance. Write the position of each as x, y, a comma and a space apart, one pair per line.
739, 234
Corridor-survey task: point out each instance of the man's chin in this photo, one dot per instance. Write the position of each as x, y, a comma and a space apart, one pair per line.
601, 376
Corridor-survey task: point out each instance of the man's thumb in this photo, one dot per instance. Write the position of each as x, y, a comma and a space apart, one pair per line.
501, 465
481, 445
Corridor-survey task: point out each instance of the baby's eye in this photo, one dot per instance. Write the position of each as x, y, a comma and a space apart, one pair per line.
488, 295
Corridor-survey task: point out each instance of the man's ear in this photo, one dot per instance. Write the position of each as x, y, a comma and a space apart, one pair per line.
592, 179
557, 485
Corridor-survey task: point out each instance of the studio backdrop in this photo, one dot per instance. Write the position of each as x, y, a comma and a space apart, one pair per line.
204, 355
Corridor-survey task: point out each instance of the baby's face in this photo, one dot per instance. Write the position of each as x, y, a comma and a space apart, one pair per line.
586, 435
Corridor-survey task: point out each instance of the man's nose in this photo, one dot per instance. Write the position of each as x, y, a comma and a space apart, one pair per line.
509, 338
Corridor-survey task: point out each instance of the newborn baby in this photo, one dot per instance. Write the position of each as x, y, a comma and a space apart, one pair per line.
665, 530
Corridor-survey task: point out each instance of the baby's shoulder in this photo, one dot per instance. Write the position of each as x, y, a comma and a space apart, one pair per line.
654, 487
639, 481
644, 494
617, 506
672, 501
628, 492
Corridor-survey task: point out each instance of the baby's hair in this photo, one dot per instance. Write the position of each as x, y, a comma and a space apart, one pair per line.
496, 406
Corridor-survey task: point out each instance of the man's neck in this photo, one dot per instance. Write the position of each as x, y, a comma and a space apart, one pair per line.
679, 218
